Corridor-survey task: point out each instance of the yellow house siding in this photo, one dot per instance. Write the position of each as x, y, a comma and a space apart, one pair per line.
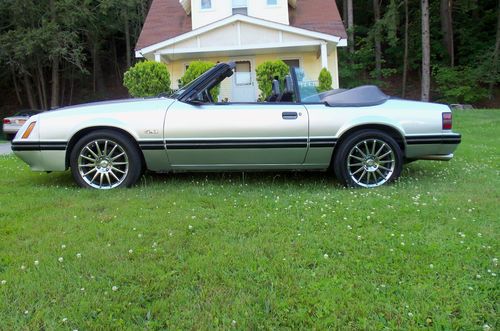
309, 61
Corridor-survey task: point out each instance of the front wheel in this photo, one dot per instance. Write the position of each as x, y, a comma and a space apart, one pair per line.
104, 160
368, 158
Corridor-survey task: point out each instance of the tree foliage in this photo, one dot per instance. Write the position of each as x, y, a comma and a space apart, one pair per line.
147, 79
324, 80
474, 37
266, 72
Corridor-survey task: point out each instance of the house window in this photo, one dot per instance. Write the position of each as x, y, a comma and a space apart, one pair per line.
206, 4
240, 7
272, 2
293, 63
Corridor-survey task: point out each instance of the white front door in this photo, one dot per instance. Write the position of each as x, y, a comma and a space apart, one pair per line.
243, 82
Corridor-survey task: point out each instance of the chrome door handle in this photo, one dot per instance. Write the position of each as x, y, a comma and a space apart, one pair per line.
289, 115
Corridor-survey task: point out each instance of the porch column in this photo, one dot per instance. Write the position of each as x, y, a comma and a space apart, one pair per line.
157, 57
324, 55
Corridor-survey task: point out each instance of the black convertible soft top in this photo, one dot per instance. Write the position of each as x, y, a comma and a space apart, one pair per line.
362, 96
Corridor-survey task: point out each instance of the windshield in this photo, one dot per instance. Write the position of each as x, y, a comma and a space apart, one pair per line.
182, 89
307, 88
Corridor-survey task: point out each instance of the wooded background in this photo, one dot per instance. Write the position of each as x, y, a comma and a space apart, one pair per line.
61, 52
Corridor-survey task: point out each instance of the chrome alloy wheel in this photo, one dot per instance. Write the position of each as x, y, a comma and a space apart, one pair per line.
103, 164
371, 162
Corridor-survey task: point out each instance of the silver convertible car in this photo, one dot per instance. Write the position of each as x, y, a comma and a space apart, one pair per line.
362, 134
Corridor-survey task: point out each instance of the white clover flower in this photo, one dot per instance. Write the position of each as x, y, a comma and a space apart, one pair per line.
63, 246
493, 274
26, 312
82, 289
61, 259
325, 256
359, 238
486, 327
233, 323
114, 288
37, 262
410, 314
190, 227
139, 235
65, 319
478, 276
495, 261
3, 282
130, 251
23, 267
470, 288
431, 265
78, 255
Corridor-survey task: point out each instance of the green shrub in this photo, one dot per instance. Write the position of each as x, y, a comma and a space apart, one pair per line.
325, 80
459, 84
146, 79
265, 74
196, 69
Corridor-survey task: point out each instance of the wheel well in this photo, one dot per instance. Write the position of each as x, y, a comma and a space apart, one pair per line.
395, 134
80, 134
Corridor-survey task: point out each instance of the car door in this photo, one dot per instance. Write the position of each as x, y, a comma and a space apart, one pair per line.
236, 135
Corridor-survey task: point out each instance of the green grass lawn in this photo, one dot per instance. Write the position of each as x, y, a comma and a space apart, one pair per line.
259, 251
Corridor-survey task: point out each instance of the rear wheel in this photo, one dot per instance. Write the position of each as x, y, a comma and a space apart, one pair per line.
104, 160
368, 158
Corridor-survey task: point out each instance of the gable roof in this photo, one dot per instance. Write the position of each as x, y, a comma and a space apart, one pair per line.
167, 19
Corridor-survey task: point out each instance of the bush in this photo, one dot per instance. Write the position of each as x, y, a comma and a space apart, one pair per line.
459, 84
196, 69
325, 80
265, 74
147, 79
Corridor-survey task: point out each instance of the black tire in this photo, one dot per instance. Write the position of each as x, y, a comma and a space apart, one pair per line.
350, 163
124, 163
9, 136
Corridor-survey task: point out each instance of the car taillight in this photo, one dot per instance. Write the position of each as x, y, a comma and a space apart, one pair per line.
6, 121
447, 121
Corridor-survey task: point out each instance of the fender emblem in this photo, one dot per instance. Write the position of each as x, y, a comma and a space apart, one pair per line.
147, 131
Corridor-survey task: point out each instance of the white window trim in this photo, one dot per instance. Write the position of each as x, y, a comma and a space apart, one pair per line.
300, 58
273, 6
212, 7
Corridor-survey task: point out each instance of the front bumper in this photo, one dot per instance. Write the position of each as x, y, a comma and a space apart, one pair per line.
42, 156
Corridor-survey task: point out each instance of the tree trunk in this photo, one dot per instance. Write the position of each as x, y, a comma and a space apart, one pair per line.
350, 26
405, 56
447, 29
378, 47
426, 52
127, 41
495, 53
54, 99
344, 12
98, 79
16, 86
29, 91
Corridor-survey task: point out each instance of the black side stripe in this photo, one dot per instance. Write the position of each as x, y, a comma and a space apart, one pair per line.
39, 146
236, 143
434, 139
151, 145
322, 142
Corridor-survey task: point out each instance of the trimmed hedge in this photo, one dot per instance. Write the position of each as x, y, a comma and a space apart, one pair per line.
325, 80
147, 79
266, 72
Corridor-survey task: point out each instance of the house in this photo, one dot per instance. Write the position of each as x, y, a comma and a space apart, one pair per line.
303, 33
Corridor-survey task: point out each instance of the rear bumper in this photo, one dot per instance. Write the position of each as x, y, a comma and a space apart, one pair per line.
432, 147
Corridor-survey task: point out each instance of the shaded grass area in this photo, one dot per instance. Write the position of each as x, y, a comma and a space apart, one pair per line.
257, 250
